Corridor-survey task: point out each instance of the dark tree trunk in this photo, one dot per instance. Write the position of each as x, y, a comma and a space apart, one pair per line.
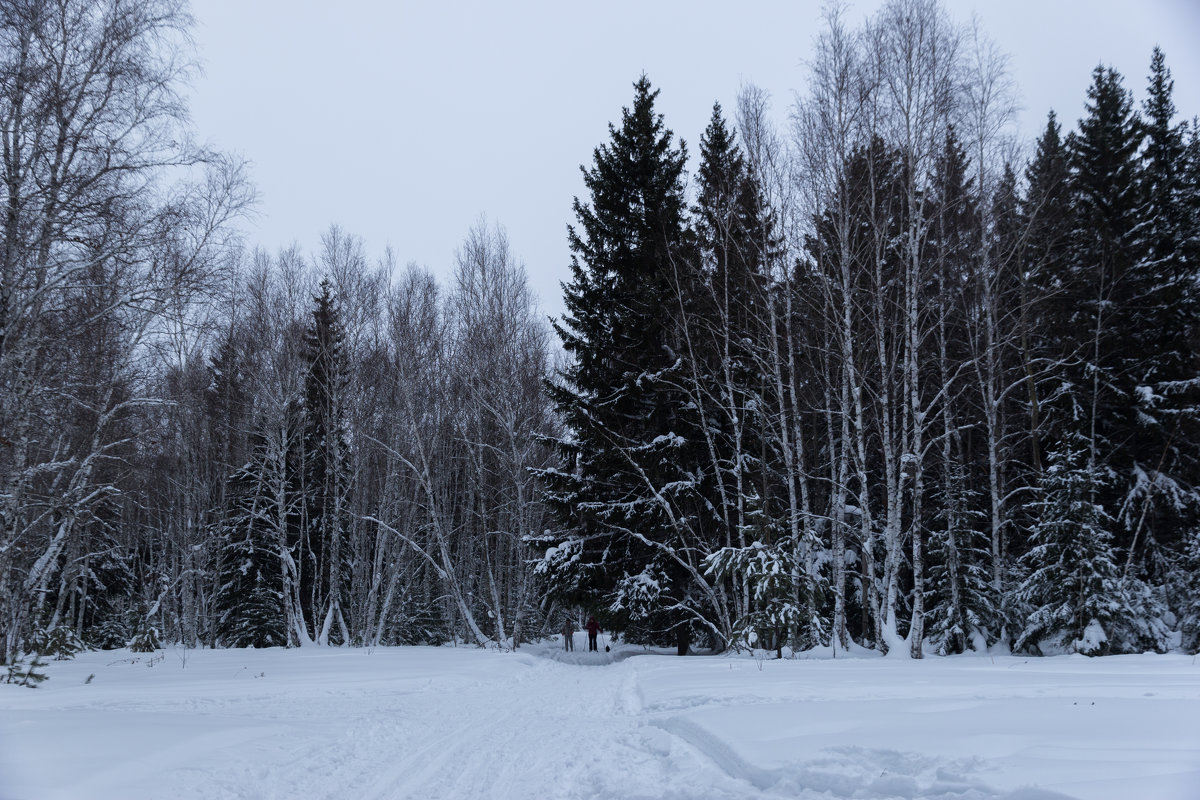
683, 639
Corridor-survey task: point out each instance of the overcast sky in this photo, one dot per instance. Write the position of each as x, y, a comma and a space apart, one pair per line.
403, 122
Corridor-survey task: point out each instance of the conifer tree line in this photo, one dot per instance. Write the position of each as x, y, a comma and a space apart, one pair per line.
872, 379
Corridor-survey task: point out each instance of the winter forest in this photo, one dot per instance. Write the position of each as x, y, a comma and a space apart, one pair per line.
860, 371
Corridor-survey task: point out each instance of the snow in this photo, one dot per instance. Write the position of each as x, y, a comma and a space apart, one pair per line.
464, 722
1093, 638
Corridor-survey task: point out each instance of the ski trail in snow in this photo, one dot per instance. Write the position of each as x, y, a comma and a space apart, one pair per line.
629, 697
851, 773
719, 753
557, 728
559, 731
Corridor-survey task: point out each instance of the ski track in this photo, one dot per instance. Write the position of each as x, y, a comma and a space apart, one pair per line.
578, 733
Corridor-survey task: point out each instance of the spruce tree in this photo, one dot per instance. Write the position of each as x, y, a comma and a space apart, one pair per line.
1075, 595
1104, 199
1072, 586
1018, 412
729, 331
1163, 177
1048, 295
1100, 360
1188, 579
324, 549
958, 605
629, 500
1163, 323
249, 597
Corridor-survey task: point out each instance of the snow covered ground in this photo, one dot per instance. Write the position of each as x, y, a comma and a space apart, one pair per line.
466, 723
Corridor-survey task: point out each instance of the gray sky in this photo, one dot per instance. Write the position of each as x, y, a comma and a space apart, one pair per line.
403, 122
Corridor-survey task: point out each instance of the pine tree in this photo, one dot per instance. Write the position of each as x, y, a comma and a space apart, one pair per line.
1159, 334
728, 332
1047, 300
1018, 412
1104, 199
961, 608
958, 605
249, 596
1072, 588
1189, 585
1163, 177
630, 501
323, 548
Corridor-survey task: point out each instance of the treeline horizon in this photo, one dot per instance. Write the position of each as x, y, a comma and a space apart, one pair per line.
865, 380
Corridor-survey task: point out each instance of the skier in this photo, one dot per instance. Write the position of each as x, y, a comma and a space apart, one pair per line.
593, 629
569, 635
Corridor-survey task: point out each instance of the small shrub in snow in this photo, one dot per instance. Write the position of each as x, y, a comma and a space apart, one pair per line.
111, 634
1189, 590
146, 641
27, 675
772, 573
60, 642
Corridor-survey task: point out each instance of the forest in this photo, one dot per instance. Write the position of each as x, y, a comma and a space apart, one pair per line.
866, 377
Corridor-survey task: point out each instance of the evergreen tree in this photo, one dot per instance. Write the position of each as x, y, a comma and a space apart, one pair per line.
958, 604
1160, 334
1046, 205
249, 597
229, 400
1188, 578
1018, 411
1074, 592
1099, 269
630, 502
1191, 194
729, 332
1072, 586
1048, 296
323, 547
1163, 176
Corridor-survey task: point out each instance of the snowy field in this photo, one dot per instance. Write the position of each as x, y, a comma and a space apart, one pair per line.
466, 723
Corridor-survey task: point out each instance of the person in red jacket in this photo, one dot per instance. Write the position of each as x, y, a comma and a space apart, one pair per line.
593, 629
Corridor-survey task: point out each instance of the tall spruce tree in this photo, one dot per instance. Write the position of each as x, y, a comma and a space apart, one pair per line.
1163, 323
1100, 267
248, 599
1101, 342
324, 548
958, 605
1047, 299
635, 525
1018, 409
729, 332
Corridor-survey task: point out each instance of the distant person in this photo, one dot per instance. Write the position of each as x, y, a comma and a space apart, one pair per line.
593, 629
569, 635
